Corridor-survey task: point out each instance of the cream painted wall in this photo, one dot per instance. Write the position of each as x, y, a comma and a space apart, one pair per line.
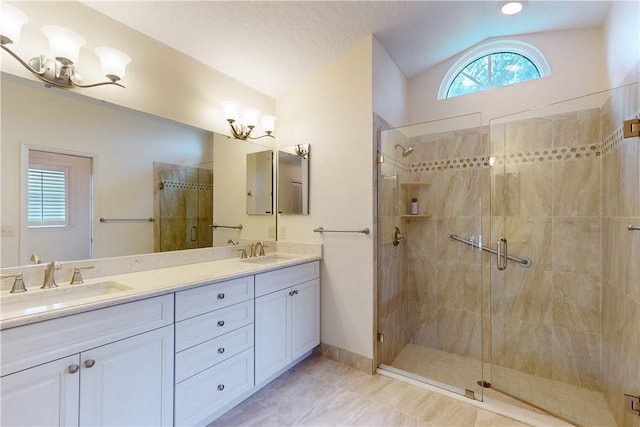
332, 110
577, 61
389, 87
159, 80
622, 39
124, 143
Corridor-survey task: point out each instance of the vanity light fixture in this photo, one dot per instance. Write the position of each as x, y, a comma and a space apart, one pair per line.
59, 70
250, 117
512, 7
302, 150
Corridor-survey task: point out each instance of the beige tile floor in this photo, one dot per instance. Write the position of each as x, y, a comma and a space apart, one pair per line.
320, 392
573, 403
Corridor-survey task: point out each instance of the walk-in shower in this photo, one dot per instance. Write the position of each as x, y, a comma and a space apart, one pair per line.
518, 276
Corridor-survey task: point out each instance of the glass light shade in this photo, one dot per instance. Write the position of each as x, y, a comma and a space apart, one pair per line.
268, 123
113, 61
11, 21
64, 44
231, 110
250, 116
511, 8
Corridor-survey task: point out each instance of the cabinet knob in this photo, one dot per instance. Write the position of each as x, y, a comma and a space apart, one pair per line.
73, 369
292, 293
220, 323
221, 295
220, 387
89, 363
221, 350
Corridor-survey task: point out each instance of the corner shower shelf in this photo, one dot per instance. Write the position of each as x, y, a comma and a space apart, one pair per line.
416, 217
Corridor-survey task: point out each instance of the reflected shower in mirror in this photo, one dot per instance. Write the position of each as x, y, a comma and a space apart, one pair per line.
293, 179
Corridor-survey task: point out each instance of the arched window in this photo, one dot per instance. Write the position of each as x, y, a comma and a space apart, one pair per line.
492, 65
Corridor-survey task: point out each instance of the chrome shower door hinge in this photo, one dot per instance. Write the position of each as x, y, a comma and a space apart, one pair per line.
632, 403
380, 337
631, 128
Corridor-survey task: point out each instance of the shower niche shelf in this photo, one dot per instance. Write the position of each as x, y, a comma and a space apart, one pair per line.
414, 190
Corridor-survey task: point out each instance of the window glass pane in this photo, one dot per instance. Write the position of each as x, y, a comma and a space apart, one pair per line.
47, 197
493, 70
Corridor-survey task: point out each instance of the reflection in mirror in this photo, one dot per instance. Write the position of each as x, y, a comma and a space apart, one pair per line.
260, 183
183, 206
293, 180
123, 145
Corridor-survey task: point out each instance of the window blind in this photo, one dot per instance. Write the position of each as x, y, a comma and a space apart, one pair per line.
47, 197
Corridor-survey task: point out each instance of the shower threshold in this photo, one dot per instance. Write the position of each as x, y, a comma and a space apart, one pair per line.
426, 380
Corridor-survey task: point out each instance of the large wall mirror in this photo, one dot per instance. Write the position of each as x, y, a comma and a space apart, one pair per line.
157, 185
293, 179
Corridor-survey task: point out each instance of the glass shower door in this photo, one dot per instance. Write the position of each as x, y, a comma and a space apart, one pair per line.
548, 319
429, 292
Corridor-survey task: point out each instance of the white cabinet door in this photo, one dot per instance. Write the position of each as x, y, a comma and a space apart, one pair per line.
305, 318
272, 339
46, 395
129, 382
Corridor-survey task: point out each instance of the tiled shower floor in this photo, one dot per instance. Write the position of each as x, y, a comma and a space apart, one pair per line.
576, 404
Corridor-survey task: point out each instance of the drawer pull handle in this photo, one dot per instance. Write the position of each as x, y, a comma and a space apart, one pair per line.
73, 369
221, 323
221, 295
89, 363
220, 387
221, 350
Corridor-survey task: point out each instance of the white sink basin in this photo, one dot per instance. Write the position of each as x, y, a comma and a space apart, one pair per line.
39, 300
267, 259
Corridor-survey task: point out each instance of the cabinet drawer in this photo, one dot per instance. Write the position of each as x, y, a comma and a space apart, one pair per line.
30, 345
202, 356
194, 302
280, 279
201, 328
200, 396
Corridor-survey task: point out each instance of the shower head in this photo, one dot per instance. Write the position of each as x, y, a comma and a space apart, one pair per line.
405, 151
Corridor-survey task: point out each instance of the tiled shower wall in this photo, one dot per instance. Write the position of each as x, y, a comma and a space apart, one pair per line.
621, 255
546, 318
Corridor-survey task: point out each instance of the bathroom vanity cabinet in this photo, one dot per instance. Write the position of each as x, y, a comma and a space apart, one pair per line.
112, 366
214, 348
287, 318
182, 358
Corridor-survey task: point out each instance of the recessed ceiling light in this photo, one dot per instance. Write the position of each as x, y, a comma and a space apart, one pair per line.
511, 8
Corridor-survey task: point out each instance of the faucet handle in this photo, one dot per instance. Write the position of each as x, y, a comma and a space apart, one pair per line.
18, 284
243, 253
77, 274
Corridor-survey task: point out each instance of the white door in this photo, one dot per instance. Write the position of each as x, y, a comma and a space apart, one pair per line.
129, 382
305, 318
46, 395
272, 340
68, 235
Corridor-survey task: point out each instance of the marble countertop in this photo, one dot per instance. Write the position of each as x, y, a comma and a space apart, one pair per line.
136, 286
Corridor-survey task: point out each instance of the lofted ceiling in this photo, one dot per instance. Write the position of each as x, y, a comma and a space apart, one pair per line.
272, 45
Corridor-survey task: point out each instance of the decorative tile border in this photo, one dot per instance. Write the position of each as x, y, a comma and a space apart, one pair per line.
186, 185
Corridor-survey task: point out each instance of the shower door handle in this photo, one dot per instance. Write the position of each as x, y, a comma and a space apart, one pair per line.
501, 252
397, 236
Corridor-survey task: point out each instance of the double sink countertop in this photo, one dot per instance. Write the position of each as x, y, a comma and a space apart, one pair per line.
37, 304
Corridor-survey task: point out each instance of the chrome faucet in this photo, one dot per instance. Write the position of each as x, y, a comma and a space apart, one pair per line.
49, 275
254, 249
